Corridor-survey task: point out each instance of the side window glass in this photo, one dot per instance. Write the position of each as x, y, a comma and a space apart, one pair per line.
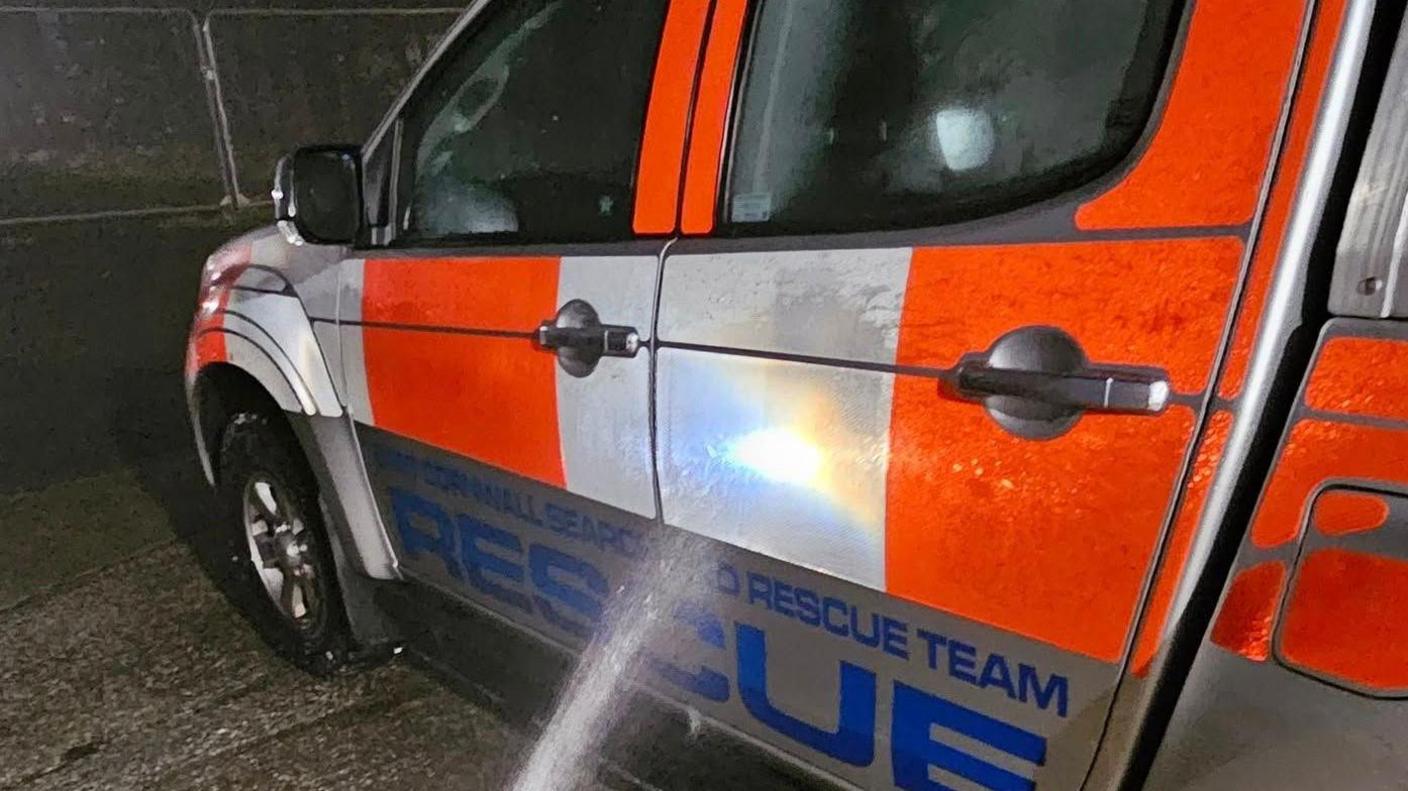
858, 115
530, 131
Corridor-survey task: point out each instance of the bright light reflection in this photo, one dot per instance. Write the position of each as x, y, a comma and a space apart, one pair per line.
778, 454
210, 304
966, 137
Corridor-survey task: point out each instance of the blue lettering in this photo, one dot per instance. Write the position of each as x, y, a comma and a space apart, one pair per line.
542, 561
708, 684
895, 635
559, 519
914, 750
829, 605
586, 530
727, 579
407, 507
759, 589
608, 537
392, 459
935, 642
1031, 688
997, 674
962, 661
479, 562
782, 600
853, 742
808, 607
871, 640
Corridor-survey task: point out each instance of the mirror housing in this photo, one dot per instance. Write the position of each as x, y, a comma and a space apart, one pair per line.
318, 194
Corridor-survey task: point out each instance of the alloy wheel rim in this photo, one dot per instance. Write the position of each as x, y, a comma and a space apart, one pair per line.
279, 548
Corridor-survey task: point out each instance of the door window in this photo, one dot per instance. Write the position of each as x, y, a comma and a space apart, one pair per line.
530, 131
865, 115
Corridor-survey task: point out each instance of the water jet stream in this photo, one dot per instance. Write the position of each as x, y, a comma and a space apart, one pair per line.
590, 704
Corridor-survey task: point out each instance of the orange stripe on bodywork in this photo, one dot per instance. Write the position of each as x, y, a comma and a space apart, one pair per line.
1204, 167
1185, 524
1318, 451
1345, 618
1361, 376
966, 501
1271, 237
493, 399
1132, 303
1051, 540
667, 118
1248, 612
1342, 512
210, 348
502, 294
706, 144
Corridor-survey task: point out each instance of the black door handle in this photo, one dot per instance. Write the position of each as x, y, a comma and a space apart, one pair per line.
1036, 383
605, 339
1092, 390
581, 340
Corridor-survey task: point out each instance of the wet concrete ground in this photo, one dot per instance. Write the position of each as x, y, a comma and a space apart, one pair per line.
122, 666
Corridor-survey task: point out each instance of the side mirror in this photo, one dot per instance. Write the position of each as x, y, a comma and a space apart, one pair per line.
318, 194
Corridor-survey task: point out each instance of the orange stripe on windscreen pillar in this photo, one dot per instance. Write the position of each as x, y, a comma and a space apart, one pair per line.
667, 119
1205, 164
1314, 75
706, 145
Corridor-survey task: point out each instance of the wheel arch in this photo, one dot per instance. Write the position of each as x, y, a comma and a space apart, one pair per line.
220, 391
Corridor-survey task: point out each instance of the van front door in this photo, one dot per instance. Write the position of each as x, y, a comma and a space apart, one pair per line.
495, 348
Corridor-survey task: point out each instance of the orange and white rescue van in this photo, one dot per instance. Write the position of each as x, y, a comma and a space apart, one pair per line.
1018, 391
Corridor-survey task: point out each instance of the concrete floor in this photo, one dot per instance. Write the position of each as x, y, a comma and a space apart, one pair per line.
140, 674
122, 666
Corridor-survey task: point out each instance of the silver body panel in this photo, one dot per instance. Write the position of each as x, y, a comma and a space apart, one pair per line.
782, 458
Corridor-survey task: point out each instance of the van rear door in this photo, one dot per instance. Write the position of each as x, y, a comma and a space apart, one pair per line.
934, 355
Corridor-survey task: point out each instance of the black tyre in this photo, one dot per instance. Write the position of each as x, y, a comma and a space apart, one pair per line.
284, 575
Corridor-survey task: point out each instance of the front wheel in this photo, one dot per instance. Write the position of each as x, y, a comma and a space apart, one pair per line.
285, 575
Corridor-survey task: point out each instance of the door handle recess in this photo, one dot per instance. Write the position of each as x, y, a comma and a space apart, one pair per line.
581, 340
1036, 383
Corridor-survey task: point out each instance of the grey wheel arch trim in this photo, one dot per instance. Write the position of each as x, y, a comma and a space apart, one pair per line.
331, 447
